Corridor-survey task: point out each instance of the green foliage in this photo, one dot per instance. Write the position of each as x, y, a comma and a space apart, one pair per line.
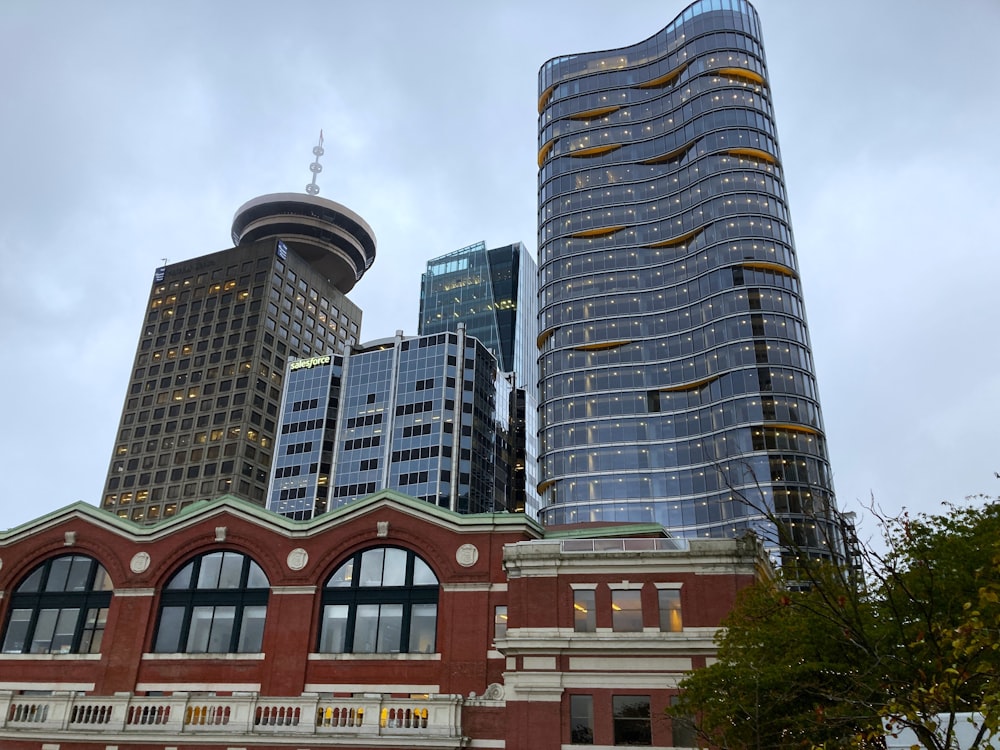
915, 643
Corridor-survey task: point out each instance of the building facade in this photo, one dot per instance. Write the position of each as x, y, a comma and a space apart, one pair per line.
386, 623
200, 415
425, 415
494, 293
677, 379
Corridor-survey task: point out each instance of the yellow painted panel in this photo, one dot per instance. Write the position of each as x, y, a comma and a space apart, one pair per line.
792, 428
544, 336
544, 98
594, 150
752, 153
679, 240
599, 232
763, 265
664, 80
669, 156
689, 386
592, 113
749, 75
545, 151
601, 346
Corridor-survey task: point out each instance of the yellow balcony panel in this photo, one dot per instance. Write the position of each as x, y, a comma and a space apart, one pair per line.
670, 156
544, 98
778, 426
545, 485
545, 151
677, 241
752, 153
583, 153
590, 114
748, 75
695, 386
664, 80
544, 336
598, 232
601, 346
763, 265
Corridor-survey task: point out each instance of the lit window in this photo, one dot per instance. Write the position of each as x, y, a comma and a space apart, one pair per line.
626, 611
382, 600
60, 608
632, 720
216, 604
500, 622
670, 611
581, 719
584, 617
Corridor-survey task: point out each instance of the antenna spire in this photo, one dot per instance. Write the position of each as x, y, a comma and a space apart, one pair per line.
312, 188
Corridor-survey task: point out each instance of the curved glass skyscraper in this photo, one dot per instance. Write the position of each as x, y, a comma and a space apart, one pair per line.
675, 367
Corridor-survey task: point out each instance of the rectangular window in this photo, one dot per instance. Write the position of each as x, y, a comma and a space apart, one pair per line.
632, 720
334, 632
581, 719
423, 624
682, 730
670, 611
626, 611
500, 622
584, 617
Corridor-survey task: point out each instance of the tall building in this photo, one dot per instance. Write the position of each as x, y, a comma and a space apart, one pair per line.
494, 293
677, 380
201, 410
424, 415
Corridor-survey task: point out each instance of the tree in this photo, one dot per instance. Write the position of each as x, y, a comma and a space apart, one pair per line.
829, 657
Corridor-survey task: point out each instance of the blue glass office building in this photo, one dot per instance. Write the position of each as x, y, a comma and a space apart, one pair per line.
414, 414
494, 294
677, 378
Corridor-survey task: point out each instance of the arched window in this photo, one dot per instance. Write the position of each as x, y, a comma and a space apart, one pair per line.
59, 608
382, 600
216, 604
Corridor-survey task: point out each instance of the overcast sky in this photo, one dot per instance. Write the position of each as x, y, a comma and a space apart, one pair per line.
131, 131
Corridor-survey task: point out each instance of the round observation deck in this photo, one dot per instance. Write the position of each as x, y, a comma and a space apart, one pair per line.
330, 237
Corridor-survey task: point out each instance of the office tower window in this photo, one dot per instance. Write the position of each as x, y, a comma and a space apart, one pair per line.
382, 600
626, 610
670, 610
216, 603
584, 611
581, 719
632, 720
59, 608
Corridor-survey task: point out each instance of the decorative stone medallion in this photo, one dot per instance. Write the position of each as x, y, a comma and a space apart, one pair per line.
467, 555
297, 559
140, 562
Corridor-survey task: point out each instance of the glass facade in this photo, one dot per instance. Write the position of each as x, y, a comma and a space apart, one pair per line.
494, 293
676, 373
201, 411
418, 415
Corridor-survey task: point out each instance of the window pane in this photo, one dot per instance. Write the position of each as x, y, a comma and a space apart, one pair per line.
256, 578
32, 582
58, 572
208, 576
79, 569
102, 581
632, 720
343, 576
230, 570
62, 638
200, 629
390, 628
422, 574
334, 632
44, 628
394, 570
222, 630
93, 630
423, 628
182, 579
500, 622
371, 567
581, 719
365, 629
168, 635
584, 618
17, 631
626, 611
670, 611
252, 630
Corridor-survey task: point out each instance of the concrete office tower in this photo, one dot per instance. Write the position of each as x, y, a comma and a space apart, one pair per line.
677, 378
494, 293
413, 414
201, 411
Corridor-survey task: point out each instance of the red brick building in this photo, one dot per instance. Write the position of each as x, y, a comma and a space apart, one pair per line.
388, 623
